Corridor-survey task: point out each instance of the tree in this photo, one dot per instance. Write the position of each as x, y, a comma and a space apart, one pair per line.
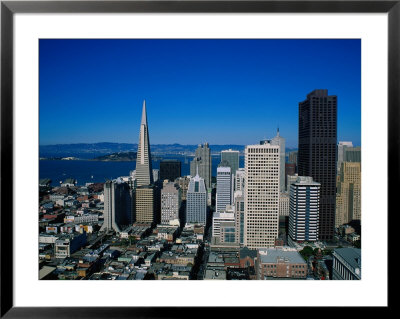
306, 252
327, 252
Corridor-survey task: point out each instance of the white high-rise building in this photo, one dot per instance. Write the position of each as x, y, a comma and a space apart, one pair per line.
279, 140
304, 209
261, 223
170, 202
196, 201
239, 180
224, 188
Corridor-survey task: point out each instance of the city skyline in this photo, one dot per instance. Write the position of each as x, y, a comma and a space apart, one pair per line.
202, 94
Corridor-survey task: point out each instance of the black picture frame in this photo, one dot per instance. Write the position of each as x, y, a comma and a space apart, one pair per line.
9, 8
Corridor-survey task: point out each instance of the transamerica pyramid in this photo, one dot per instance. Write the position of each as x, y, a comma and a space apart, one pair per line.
144, 172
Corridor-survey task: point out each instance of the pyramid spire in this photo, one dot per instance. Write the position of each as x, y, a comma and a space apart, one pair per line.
144, 174
144, 114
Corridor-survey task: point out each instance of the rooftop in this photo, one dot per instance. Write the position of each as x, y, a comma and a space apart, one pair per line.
285, 254
351, 255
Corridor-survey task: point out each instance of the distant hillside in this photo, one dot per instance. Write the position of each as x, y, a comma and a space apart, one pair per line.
85, 150
96, 150
120, 156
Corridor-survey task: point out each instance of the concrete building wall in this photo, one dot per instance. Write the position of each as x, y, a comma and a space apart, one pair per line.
262, 173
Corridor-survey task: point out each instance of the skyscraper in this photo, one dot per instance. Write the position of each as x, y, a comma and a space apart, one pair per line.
352, 154
261, 193
239, 216
202, 161
196, 201
117, 206
144, 172
183, 183
317, 152
290, 169
293, 157
232, 158
279, 140
348, 198
170, 169
304, 209
156, 174
224, 187
147, 205
340, 152
239, 179
290, 179
170, 202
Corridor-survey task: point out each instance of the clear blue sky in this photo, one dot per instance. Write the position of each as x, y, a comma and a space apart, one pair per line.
219, 91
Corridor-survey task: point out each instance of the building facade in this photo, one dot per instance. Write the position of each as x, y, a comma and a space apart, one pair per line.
304, 210
196, 201
224, 188
290, 179
262, 174
227, 215
341, 147
352, 154
202, 162
239, 216
146, 208
156, 175
317, 152
232, 158
284, 204
183, 183
348, 197
170, 202
293, 158
170, 169
290, 169
281, 262
279, 140
239, 179
346, 264
117, 206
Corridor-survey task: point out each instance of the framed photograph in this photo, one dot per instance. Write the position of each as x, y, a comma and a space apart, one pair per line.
88, 86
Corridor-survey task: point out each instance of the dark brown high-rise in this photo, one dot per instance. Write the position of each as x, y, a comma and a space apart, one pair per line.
317, 152
170, 169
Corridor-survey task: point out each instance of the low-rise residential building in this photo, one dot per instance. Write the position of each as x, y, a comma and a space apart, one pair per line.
47, 238
282, 262
66, 244
166, 232
247, 257
212, 274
